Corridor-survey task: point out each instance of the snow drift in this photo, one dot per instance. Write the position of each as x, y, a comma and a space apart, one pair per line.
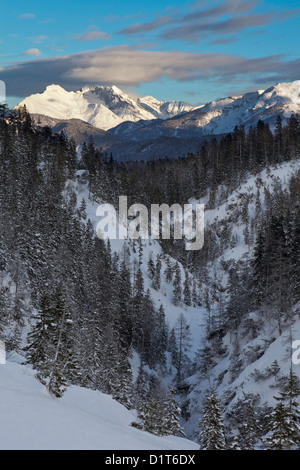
82, 420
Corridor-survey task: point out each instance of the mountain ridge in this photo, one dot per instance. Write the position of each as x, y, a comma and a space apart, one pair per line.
102, 106
109, 108
221, 116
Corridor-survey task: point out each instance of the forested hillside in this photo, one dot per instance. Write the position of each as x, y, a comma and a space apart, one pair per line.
83, 311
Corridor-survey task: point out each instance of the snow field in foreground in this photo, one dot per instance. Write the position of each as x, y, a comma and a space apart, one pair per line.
82, 420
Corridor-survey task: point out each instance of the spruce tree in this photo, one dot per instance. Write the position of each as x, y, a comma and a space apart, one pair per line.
183, 340
212, 434
168, 271
151, 417
172, 415
62, 360
50, 347
281, 433
151, 267
177, 288
285, 422
187, 289
156, 278
39, 336
249, 429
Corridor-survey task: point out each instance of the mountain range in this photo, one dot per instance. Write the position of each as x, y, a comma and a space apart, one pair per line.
104, 107
146, 128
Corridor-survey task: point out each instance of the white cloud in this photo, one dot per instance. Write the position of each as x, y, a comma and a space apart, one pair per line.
26, 16
93, 35
33, 51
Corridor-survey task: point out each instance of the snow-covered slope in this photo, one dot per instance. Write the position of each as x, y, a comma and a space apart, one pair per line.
222, 116
102, 106
81, 420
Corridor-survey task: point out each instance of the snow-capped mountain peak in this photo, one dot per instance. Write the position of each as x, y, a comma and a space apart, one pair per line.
102, 106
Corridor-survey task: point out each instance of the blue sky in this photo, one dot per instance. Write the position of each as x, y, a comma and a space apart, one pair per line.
194, 51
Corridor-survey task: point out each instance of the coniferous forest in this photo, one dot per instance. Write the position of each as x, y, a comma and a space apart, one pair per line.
78, 311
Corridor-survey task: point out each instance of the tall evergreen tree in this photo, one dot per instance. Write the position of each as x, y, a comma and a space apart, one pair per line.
177, 289
284, 432
50, 348
249, 428
212, 435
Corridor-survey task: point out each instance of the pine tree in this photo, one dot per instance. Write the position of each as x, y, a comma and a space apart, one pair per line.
284, 423
160, 416
4, 312
62, 362
290, 393
82, 209
168, 271
278, 138
124, 306
212, 435
138, 313
204, 361
151, 417
173, 348
151, 267
177, 289
183, 340
274, 369
159, 337
123, 390
141, 387
249, 428
259, 270
172, 415
50, 347
156, 278
187, 289
39, 337
281, 435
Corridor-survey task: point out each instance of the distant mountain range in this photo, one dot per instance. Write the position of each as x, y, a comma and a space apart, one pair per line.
221, 116
145, 128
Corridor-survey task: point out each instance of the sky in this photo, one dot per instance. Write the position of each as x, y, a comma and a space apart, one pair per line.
195, 51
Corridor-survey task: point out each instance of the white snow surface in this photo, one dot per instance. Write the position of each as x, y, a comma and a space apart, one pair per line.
81, 420
103, 106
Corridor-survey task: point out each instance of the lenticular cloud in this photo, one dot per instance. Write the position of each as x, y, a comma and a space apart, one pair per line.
126, 66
